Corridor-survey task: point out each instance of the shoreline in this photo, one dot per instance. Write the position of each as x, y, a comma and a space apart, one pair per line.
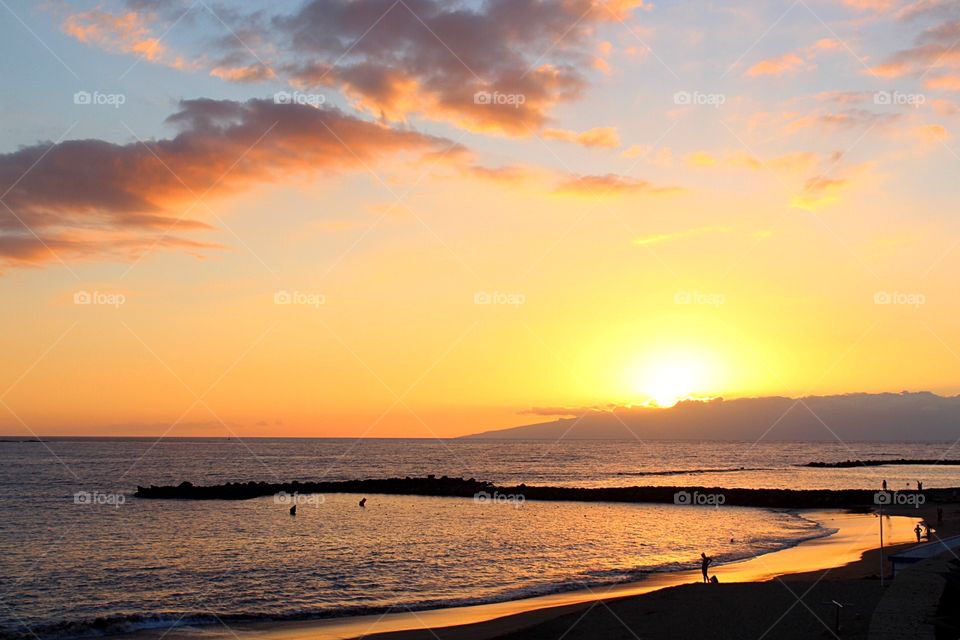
854, 537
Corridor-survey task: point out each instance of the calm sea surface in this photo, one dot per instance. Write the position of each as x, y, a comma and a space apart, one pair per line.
112, 563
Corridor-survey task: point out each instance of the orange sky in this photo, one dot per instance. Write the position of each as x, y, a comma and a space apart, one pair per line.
436, 232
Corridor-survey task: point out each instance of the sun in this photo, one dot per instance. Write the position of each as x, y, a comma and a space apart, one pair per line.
671, 384
669, 378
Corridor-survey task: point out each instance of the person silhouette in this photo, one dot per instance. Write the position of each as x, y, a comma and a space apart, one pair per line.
917, 530
293, 510
705, 561
363, 503
919, 485
884, 485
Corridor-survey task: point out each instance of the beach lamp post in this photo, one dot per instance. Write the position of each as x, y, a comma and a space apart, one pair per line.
881, 544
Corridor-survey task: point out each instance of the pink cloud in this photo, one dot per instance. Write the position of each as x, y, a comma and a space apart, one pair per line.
787, 63
600, 137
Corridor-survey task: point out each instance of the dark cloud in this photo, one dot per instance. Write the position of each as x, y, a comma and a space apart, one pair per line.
934, 49
396, 58
433, 58
92, 196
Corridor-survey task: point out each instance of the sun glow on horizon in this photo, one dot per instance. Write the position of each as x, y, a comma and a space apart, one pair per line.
671, 378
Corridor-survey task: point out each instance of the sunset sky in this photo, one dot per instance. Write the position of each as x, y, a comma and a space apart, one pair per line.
428, 218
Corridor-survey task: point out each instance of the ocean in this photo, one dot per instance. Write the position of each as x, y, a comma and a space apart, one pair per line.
83, 557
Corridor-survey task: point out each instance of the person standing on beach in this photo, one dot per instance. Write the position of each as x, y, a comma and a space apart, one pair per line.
917, 530
919, 485
884, 485
705, 561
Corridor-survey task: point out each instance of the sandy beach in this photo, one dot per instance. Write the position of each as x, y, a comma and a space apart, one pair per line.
787, 594
785, 590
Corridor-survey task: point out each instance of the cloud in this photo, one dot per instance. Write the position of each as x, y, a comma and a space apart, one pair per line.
432, 58
787, 63
942, 9
661, 156
608, 184
819, 191
798, 161
251, 73
845, 119
91, 197
945, 82
701, 159
510, 174
870, 5
945, 107
930, 134
603, 137
846, 97
395, 60
568, 411
126, 32
934, 48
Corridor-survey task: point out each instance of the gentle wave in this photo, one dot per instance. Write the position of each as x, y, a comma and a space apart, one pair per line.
122, 624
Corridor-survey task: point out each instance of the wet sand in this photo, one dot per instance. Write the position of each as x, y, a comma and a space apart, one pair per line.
847, 554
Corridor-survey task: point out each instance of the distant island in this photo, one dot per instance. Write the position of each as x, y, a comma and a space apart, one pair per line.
919, 416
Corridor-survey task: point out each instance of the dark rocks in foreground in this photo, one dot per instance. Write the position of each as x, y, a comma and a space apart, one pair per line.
846, 464
483, 491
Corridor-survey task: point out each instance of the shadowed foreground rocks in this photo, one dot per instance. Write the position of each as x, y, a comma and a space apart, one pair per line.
470, 488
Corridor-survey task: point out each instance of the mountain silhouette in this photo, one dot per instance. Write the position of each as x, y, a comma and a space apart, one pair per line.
919, 416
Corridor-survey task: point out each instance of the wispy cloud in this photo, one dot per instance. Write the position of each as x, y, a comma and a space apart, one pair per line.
609, 185
602, 137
